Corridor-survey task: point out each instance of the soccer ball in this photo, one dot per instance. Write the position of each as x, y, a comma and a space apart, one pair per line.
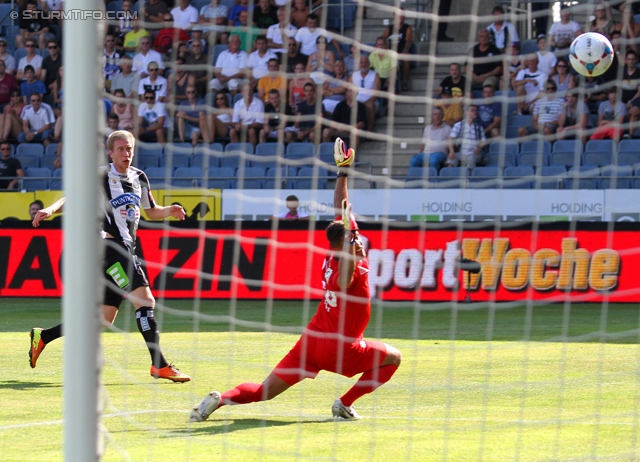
591, 54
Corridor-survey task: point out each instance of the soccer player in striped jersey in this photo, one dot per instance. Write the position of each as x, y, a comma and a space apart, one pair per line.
333, 340
126, 189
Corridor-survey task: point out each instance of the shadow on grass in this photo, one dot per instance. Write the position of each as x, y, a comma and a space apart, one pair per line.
215, 427
21, 385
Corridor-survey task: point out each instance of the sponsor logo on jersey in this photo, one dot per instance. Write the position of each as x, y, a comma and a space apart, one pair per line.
125, 199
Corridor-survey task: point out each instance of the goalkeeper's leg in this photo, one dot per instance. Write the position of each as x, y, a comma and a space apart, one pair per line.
374, 378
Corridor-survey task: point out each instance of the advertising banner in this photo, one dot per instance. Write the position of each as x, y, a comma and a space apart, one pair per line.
405, 264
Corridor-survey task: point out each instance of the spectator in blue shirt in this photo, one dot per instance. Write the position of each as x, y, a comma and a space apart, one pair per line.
490, 113
191, 118
31, 85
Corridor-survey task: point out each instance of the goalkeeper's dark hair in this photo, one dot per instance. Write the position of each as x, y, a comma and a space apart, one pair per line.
335, 234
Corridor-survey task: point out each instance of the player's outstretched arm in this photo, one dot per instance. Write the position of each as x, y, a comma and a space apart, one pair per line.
344, 159
159, 212
46, 212
347, 265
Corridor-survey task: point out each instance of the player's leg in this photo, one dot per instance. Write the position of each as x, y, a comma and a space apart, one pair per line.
181, 125
371, 379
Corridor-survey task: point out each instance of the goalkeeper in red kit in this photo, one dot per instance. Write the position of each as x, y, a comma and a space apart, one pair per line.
333, 340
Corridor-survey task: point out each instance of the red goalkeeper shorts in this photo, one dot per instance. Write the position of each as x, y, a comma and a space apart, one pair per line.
311, 355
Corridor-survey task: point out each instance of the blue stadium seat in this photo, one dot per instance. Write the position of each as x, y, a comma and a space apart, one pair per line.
325, 153
629, 146
628, 158
581, 183
5, 14
512, 133
144, 161
519, 121
253, 178
597, 158
418, 177
536, 146
29, 160
519, 177
176, 160
206, 157
310, 178
187, 177
56, 181
178, 148
149, 148
301, 150
566, 159
51, 149
216, 52
534, 159
115, 5
485, 177
550, 177
268, 154
32, 149
36, 179
220, 178
614, 183
529, 46
453, 177
48, 160
505, 159
568, 146
499, 147
600, 145
159, 175
271, 182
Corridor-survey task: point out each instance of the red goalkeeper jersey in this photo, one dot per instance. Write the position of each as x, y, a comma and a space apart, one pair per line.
347, 315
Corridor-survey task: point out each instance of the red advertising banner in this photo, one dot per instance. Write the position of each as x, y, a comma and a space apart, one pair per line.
583, 265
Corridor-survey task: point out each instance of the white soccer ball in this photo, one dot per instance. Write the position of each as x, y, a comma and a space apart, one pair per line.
591, 54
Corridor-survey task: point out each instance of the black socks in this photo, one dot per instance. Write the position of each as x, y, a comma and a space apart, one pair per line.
149, 330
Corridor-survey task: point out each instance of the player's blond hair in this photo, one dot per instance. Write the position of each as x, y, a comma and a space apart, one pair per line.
120, 135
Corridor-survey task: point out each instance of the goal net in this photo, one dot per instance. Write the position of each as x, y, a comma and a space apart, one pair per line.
500, 239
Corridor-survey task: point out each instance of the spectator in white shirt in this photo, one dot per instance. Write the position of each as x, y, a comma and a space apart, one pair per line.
184, 15
248, 114
562, 33
37, 121
127, 80
31, 59
546, 60
278, 34
502, 33
308, 35
435, 142
259, 59
230, 67
152, 119
141, 60
154, 82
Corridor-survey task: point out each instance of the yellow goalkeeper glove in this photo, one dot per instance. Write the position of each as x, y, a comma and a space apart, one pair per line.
342, 156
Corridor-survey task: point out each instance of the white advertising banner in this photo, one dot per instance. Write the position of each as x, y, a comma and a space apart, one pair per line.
442, 205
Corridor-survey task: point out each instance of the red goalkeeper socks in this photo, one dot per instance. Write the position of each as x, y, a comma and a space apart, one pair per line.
368, 382
243, 394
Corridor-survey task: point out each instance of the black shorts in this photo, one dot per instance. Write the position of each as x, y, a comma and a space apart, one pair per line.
122, 272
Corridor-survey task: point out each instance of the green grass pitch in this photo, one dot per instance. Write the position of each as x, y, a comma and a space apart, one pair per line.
549, 382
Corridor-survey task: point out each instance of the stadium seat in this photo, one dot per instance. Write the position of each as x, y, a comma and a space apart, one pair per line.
550, 177
568, 146
628, 158
536, 146
629, 146
534, 159
485, 177
144, 161
176, 160
220, 178
158, 174
325, 153
31, 149
114, 5
520, 177
504, 159
5, 14
48, 160
614, 183
253, 178
581, 183
205, 158
270, 181
267, 155
600, 145
29, 160
597, 158
36, 179
566, 159
300, 151
340, 16
187, 177
217, 50
418, 177
51, 149
499, 147
453, 177
56, 181
519, 121
178, 148
311, 178
149, 148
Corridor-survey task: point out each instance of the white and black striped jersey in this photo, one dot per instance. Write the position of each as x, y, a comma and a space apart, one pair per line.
124, 195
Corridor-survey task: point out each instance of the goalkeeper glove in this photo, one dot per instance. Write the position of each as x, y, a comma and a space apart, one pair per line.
342, 156
346, 214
